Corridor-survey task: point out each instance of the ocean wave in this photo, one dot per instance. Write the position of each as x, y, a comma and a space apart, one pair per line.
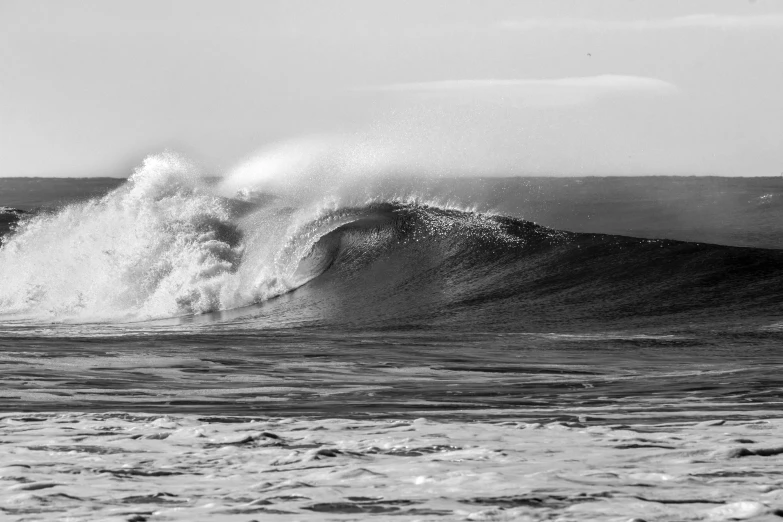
170, 243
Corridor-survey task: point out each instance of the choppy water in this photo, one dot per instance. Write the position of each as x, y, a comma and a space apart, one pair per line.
338, 296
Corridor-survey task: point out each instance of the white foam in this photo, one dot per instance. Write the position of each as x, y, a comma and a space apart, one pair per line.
164, 244
119, 466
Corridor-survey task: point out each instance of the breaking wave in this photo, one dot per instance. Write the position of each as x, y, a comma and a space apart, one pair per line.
171, 242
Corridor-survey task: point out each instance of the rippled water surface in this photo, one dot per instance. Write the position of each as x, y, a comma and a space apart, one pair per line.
532, 376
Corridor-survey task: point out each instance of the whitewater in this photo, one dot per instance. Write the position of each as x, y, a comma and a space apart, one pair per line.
165, 244
321, 334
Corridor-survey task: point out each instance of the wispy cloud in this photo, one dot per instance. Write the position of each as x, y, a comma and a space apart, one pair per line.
533, 92
707, 21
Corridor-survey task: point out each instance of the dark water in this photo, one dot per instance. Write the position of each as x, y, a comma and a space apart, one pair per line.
406, 308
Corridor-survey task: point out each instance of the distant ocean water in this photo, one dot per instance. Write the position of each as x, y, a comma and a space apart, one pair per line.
537, 298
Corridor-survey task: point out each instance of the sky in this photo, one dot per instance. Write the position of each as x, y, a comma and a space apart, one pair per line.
610, 87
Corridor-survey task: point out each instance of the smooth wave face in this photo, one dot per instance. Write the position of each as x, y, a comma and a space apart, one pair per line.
426, 267
169, 243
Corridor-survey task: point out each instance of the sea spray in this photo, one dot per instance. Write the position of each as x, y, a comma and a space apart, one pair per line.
173, 241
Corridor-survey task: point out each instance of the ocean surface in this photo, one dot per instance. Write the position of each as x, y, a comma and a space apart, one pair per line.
651, 299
